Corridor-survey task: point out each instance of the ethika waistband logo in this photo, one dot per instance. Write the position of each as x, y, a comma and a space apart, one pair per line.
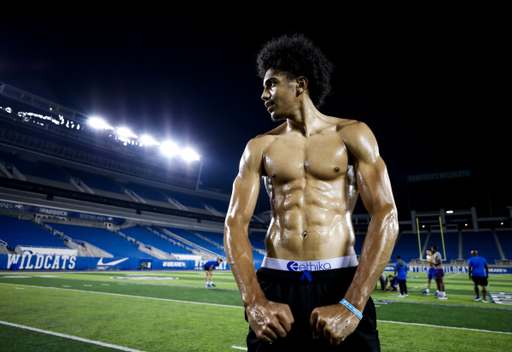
309, 266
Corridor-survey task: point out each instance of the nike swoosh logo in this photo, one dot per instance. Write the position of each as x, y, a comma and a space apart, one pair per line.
115, 262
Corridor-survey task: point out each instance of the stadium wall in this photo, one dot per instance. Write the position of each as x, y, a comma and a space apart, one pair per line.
452, 269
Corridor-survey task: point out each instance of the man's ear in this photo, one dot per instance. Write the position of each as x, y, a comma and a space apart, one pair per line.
302, 85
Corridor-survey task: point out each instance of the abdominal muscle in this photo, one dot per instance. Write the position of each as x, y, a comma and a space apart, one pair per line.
310, 222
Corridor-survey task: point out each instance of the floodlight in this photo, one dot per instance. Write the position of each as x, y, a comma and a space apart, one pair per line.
99, 123
125, 132
169, 148
189, 154
148, 140
449, 212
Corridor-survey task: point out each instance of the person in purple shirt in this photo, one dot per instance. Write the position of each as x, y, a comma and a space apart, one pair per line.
209, 267
478, 272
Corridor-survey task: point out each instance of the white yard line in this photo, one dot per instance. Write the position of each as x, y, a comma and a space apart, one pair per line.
131, 296
76, 338
230, 306
444, 327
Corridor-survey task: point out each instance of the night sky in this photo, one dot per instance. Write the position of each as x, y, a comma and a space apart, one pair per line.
430, 84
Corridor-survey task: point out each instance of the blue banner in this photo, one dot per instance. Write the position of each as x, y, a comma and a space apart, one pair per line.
67, 262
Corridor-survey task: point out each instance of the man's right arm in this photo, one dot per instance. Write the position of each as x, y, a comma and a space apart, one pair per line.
269, 320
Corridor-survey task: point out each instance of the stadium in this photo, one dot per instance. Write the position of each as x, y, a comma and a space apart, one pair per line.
104, 231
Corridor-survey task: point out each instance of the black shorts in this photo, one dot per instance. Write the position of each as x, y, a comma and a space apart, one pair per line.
480, 280
328, 287
206, 268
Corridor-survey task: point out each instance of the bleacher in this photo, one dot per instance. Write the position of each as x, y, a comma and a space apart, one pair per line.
104, 239
483, 242
189, 236
451, 244
149, 238
26, 233
505, 238
406, 246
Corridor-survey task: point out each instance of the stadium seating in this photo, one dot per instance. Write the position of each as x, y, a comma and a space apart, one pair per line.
505, 238
146, 237
24, 232
483, 242
407, 246
104, 239
197, 240
218, 205
451, 244
95, 181
145, 192
183, 198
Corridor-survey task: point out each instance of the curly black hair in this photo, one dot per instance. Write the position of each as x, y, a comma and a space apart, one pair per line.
297, 56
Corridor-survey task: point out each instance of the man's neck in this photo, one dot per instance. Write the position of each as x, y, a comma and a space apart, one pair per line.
307, 120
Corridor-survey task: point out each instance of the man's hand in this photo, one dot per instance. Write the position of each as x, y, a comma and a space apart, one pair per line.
335, 323
269, 320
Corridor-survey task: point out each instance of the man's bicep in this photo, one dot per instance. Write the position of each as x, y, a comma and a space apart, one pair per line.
243, 199
372, 176
374, 185
246, 185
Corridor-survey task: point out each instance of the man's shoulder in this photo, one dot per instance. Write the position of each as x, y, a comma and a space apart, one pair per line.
268, 137
351, 127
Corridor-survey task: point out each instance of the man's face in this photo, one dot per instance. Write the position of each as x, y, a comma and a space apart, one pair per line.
279, 94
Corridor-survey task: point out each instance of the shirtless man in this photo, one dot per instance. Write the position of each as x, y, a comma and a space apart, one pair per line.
314, 166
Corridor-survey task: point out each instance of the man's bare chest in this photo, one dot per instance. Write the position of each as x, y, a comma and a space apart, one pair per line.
322, 157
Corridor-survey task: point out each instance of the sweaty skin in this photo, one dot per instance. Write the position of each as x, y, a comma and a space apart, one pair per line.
314, 167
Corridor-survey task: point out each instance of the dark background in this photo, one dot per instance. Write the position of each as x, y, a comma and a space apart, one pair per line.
429, 82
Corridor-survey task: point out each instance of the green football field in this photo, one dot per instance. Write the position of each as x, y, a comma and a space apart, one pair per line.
173, 311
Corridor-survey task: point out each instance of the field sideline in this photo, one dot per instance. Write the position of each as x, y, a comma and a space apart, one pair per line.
172, 311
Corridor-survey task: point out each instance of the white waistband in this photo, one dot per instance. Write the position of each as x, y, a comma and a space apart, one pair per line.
313, 265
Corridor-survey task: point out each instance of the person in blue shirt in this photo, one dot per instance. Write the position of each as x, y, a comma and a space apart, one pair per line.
209, 267
401, 274
478, 272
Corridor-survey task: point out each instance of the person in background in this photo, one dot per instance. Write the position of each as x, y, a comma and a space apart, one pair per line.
393, 283
479, 273
439, 272
431, 272
401, 273
209, 267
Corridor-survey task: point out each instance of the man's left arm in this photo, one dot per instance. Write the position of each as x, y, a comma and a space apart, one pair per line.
336, 322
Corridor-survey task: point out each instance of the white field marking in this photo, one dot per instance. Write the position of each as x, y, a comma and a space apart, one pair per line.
239, 348
131, 296
444, 327
451, 276
76, 338
228, 306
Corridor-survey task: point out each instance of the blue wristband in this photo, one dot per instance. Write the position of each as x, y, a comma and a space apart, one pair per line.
352, 309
